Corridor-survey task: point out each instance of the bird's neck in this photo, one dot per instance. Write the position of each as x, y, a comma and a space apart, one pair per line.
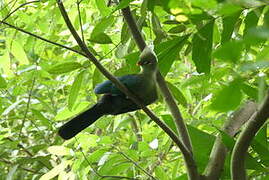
148, 72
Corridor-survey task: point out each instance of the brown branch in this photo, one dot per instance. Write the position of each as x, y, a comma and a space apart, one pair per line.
170, 101
241, 146
219, 151
119, 85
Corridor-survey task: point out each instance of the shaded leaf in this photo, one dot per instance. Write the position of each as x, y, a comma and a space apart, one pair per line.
123, 4
177, 29
102, 26
202, 48
250, 91
230, 51
228, 26
64, 67
229, 97
101, 38
177, 94
75, 88
167, 52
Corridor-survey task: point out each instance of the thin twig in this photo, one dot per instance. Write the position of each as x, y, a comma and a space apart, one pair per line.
80, 21
43, 39
96, 172
27, 105
135, 163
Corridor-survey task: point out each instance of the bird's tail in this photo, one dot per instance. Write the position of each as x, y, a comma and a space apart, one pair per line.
80, 122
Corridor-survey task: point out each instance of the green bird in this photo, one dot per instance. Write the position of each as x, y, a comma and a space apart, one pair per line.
113, 101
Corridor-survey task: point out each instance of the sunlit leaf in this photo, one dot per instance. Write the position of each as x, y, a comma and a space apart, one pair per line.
3, 83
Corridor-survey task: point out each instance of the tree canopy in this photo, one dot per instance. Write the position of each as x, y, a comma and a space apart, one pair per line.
208, 123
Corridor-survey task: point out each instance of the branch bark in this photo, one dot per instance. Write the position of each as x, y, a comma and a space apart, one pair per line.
241, 146
218, 154
187, 154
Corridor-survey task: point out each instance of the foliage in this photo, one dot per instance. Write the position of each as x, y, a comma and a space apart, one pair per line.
214, 55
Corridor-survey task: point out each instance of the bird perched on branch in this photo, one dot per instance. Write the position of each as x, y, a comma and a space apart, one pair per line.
113, 101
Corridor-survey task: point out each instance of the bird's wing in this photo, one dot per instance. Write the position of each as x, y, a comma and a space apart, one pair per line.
130, 81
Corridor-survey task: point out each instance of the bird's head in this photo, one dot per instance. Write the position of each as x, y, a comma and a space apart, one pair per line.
147, 60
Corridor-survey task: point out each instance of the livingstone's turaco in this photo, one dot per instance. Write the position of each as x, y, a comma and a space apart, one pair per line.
113, 101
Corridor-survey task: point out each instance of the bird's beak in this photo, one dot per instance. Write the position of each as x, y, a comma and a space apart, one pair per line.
138, 63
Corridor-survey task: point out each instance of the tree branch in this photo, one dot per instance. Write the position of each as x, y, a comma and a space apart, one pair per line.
244, 140
118, 84
218, 154
168, 97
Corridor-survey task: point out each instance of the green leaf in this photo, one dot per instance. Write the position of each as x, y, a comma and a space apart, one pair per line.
177, 94
102, 7
101, 38
251, 20
202, 48
230, 51
97, 77
125, 33
229, 23
250, 91
167, 52
19, 53
228, 9
202, 142
177, 29
229, 97
66, 113
64, 67
3, 83
157, 29
254, 66
229, 142
260, 145
160, 173
256, 35
75, 88
102, 26
123, 4
41, 117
